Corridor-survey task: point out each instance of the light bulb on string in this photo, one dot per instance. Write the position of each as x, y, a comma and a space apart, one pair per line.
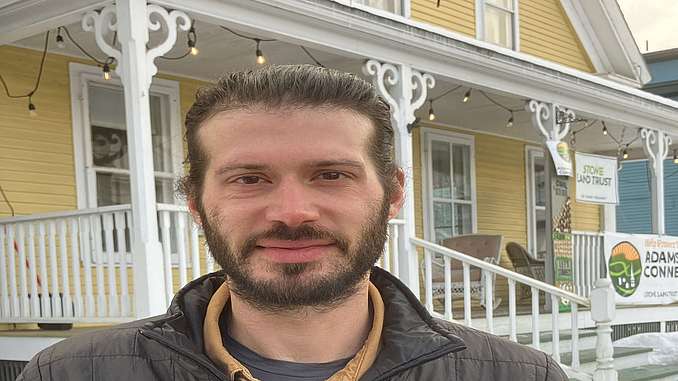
625, 153
573, 140
31, 108
107, 71
431, 114
192, 40
509, 123
260, 56
467, 96
605, 132
60, 39
675, 156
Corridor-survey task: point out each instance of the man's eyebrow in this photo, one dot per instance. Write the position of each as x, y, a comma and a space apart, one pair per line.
245, 166
341, 162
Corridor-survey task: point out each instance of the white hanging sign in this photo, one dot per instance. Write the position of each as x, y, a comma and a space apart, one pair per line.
596, 179
643, 268
560, 153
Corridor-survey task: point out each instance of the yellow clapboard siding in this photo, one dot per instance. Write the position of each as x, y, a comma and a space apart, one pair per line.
7, 176
548, 16
458, 16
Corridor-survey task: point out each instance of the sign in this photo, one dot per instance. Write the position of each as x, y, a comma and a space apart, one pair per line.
561, 227
560, 153
596, 179
643, 268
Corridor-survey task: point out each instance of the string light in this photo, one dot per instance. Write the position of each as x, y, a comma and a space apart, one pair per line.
509, 123
625, 153
260, 56
431, 114
31, 108
573, 139
107, 71
60, 39
605, 132
675, 156
467, 96
192, 40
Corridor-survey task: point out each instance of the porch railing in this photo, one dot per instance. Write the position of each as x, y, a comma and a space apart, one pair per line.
588, 262
602, 311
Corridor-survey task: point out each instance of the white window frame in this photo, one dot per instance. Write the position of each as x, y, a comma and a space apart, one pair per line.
81, 76
405, 7
428, 134
480, 22
531, 153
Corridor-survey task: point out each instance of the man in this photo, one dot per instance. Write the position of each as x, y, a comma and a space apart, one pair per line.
293, 180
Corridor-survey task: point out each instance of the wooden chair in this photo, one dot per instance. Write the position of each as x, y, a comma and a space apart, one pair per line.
480, 246
524, 263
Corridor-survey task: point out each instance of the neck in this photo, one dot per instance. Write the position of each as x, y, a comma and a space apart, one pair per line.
306, 335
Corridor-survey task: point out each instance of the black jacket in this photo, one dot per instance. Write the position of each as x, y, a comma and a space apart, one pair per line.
415, 346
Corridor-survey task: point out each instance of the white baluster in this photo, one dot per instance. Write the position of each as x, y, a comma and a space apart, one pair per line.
23, 286
86, 252
167, 254
95, 229
110, 255
575, 335
55, 299
448, 287
195, 249
603, 313
11, 254
396, 253
4, 294
180, 231
535, 317
121, 257
576, 262
466, 270
66, 308
428, 280
76, 248
45, 304
555, 328
512, 309
590, 277
489, 300
32, 273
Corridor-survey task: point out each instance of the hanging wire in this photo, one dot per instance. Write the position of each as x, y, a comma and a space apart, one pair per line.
83, 50
247, 37
37, 80
4, 197
445, 93
497, 103
311, 56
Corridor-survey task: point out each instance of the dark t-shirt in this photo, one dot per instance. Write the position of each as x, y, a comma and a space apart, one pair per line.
275, 370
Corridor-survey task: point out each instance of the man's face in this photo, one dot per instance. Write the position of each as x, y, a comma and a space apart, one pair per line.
292, 206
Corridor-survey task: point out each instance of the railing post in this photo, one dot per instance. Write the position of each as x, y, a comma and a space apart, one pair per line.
603, 313
405, 91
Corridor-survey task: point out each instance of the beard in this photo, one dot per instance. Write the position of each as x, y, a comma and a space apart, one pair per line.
296, 286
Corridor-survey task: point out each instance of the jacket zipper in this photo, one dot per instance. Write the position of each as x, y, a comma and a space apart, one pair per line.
205, 364
421, 360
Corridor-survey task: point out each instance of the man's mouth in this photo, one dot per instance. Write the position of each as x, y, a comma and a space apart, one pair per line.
299, 251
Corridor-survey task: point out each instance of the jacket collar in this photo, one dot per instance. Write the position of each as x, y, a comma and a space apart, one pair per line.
410, 336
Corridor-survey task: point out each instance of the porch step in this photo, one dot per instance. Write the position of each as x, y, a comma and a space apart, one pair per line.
650, 372
624, 358
587, 340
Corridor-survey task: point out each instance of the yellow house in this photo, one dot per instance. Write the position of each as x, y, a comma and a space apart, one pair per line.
91, 142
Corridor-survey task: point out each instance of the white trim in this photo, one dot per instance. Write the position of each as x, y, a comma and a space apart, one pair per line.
531, 152
426, 124
427, 198
407, 8
80, 77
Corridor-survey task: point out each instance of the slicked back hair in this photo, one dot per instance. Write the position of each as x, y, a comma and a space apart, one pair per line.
296, 86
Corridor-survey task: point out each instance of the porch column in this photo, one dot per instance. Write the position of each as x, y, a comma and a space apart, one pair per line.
132, 20
656, 146
405, 91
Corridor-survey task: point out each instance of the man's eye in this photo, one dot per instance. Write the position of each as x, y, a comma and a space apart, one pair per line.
331, 175
248, 180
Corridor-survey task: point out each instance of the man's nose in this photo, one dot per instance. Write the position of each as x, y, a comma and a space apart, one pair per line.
292, 204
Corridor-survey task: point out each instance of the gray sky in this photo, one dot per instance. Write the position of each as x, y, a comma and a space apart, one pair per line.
652, 20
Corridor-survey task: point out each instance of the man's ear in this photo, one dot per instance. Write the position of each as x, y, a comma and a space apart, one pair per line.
193, 209
397, 194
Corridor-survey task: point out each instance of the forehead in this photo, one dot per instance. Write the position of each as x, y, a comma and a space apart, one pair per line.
286, 134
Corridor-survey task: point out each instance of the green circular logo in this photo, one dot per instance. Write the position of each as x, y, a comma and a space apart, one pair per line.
625, 268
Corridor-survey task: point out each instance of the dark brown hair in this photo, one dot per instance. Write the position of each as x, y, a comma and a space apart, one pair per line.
289, 86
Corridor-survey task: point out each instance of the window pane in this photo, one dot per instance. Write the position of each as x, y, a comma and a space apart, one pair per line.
539, 181
540, 250
393, 6
462, 171
442, 182
114, 189
506, 4
161, 137
109, 147
462, 219
498, 27
442, 220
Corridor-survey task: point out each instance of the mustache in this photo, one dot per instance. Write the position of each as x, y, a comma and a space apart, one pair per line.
304, 232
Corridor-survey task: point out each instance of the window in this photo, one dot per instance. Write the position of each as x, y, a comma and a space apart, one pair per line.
392, 6
536, 202
450, 196
100, 133
497, 22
